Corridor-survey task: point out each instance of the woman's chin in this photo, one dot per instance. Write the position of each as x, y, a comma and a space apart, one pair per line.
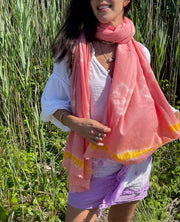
109, 22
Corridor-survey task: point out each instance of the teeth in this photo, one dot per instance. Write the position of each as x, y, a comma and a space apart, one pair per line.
103, 7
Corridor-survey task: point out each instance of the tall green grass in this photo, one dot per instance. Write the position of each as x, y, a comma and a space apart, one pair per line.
158, 27
31, 153
32, 182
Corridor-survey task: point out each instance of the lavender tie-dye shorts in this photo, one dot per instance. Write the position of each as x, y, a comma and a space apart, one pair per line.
129, 183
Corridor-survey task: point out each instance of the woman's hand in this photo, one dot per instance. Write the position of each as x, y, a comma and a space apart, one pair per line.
90, 129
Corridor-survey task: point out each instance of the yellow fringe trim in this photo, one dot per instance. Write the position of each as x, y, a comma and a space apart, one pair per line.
175, 128
79, 163
121, 157
132, 154
126, 155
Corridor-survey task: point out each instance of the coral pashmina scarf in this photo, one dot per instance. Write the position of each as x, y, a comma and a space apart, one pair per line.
137, 112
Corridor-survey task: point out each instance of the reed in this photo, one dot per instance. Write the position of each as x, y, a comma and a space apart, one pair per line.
32, 182
158, 27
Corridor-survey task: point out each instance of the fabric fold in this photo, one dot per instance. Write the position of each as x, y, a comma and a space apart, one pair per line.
137, 112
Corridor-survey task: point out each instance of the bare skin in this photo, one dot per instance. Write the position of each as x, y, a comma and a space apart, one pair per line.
104, 52
107, 12
122, 212
77, 215
117, 213
87, 128
90, 129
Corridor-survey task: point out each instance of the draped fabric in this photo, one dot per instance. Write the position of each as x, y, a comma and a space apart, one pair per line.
137, 112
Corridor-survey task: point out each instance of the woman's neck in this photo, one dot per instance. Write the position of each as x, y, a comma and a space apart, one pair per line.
105, 54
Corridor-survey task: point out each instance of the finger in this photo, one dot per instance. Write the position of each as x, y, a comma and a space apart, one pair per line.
104, 129
91, 132
96, 133
98, 143
100, 128
97, 139
101, 135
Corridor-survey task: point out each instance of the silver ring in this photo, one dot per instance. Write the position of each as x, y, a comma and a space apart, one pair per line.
96, 138
99, 134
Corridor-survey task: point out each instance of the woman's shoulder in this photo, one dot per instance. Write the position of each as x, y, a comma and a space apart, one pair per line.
60, 70
146, 51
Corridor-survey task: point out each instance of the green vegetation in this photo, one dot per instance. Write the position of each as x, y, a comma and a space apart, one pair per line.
32, 181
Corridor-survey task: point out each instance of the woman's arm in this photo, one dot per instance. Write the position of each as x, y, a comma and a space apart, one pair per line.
56, 107
90, 129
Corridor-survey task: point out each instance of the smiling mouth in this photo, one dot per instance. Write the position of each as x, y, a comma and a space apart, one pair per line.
104, 7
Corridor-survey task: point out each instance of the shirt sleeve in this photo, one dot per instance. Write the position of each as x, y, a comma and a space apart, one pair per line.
146, 52
56, 95
173, 109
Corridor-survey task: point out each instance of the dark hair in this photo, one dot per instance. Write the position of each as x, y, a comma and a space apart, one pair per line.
127, 8
79, 16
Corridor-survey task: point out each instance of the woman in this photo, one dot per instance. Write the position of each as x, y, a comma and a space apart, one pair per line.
104, 91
